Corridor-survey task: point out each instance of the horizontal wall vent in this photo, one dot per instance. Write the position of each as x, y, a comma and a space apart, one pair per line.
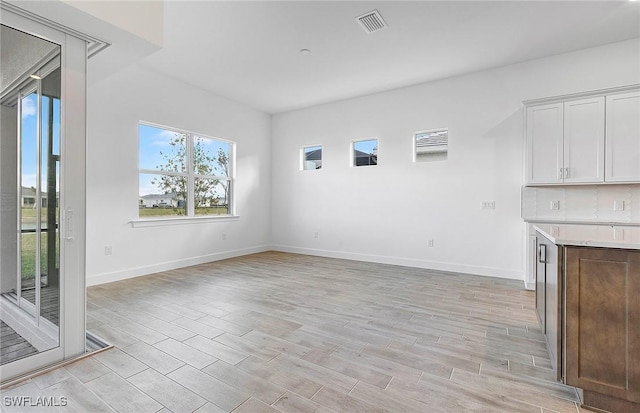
371, 21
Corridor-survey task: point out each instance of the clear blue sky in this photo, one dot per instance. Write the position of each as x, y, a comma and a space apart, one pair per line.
366, 146
29, 134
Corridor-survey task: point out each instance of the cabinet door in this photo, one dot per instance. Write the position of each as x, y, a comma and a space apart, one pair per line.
623, 138
583, 144
602, 352
541, 283
532, 261
552, 306
548, 299
544, 144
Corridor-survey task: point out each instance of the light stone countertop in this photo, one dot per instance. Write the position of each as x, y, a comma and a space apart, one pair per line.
607, 236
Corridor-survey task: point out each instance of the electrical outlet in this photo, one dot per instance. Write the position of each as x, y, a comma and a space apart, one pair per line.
618, 205
108, 250
315, 235
488, 204
618, 234
431, 243
224, 236
555, 205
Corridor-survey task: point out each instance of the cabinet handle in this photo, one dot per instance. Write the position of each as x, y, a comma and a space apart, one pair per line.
542, 254
564, 173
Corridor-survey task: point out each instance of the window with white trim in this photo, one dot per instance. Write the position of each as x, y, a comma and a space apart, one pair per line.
311, 158
364, 152
431, 145
183, 173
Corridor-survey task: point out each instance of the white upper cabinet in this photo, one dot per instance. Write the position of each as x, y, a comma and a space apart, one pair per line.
584, 141
544, 143
623, 138
595, 139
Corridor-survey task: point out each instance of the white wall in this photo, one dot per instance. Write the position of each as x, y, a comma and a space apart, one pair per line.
389, 212
116, 105
385, 213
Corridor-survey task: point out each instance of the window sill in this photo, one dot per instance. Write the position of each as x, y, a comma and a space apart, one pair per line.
159, 222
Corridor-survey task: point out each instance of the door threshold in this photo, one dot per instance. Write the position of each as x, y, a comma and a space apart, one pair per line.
94, 346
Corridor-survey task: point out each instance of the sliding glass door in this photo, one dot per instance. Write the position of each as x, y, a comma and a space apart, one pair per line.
42, 187
38, 216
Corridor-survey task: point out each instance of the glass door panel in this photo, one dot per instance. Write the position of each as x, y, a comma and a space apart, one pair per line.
29, 205
31, 154
50, 217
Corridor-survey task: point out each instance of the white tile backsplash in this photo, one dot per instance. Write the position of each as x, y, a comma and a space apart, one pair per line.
634, 207
606, 201
544, 199
581, 204
584, 203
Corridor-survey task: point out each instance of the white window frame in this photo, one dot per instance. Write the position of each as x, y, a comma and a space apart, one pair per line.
191, 177
443, 152
302, 157
352, 153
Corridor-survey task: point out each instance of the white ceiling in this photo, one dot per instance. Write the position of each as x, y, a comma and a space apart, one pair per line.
249, 51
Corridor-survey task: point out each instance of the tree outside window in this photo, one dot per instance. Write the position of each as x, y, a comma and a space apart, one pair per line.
183, 174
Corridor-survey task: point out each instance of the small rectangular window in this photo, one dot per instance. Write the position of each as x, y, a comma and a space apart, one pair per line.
183, 174
364, 152
311, 157
431, 145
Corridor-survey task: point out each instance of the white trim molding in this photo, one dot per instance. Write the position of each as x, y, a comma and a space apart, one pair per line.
516, 274
171, 265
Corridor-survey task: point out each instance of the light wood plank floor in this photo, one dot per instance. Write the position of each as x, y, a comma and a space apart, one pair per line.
277, 332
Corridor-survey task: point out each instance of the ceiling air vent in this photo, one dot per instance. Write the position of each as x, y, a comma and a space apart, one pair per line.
371, 21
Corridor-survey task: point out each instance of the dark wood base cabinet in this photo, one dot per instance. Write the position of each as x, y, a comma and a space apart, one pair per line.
601, 345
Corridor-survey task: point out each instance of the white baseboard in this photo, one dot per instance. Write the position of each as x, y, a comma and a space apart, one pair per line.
408, 262
104, 278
